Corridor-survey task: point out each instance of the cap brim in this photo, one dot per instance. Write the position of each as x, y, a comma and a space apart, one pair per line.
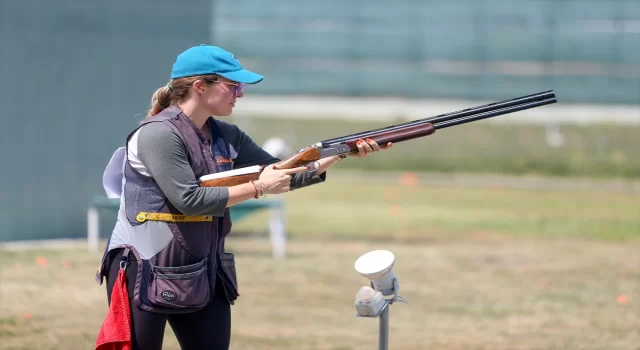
243, 76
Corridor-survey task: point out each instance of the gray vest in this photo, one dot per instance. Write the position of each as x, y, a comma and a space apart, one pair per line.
179, 263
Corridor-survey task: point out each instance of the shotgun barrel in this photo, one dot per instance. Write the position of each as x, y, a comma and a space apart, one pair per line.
426, 128
452, 122
448, 116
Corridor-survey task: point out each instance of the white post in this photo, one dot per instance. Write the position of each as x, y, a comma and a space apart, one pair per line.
93, 229
278, 231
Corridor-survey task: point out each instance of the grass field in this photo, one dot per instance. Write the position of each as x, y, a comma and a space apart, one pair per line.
484, 266
480, 147
414, 207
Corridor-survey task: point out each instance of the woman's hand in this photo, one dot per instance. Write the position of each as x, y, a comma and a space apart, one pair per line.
276, 181
368, 146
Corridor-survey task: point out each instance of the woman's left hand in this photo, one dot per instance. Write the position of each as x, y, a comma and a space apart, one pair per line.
368, 146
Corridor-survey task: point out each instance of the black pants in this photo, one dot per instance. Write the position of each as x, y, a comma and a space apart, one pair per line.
209, 328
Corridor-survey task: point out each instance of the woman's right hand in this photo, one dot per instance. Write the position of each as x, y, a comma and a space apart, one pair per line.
278, 181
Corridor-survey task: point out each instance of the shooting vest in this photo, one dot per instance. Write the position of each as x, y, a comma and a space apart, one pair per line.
180, 259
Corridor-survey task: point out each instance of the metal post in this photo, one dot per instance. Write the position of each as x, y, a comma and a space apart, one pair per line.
383, 338
93, 229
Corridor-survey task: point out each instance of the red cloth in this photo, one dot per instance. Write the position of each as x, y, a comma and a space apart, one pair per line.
115, 333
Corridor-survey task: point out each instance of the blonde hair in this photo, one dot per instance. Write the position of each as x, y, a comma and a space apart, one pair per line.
175, 91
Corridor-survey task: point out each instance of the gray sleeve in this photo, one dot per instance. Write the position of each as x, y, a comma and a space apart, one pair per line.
307, 178
164, 154
249, 153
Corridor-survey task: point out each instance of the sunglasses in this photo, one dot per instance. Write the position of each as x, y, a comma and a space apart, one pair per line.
238, 87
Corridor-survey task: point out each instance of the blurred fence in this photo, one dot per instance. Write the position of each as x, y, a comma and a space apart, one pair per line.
586, 50
77, 75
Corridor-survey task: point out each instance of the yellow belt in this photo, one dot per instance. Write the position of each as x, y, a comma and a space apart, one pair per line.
144, 216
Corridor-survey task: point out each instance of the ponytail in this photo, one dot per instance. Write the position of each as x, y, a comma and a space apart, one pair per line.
160, 100
175, 92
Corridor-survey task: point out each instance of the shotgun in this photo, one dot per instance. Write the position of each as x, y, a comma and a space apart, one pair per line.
395, 133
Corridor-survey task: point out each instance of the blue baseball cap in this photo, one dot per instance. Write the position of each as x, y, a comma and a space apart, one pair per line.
206, 59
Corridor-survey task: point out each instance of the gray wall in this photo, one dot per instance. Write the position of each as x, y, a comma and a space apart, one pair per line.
76, 77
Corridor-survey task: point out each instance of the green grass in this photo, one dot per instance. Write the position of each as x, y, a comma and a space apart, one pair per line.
348, 208
481, 147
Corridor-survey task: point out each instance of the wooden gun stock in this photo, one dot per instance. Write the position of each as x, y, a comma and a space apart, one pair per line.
302, 158
231, 180
396, 136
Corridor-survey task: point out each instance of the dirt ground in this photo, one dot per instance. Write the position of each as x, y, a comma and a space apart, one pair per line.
481, 293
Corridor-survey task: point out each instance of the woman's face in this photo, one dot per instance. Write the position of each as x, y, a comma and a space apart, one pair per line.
220, 97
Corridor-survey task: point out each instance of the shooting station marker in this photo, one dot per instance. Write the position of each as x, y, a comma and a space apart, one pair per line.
375, 302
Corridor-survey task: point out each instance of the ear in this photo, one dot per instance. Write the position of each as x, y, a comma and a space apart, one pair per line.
198, 86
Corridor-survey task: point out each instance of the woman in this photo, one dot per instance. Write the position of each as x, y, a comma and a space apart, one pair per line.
170, 232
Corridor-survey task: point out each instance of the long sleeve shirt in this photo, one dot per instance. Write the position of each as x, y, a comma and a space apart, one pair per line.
156, 150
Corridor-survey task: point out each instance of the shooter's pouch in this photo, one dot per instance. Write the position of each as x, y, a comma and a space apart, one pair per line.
177, 287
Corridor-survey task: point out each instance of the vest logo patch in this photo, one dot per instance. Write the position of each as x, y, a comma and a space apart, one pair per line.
223, 160
168, 295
